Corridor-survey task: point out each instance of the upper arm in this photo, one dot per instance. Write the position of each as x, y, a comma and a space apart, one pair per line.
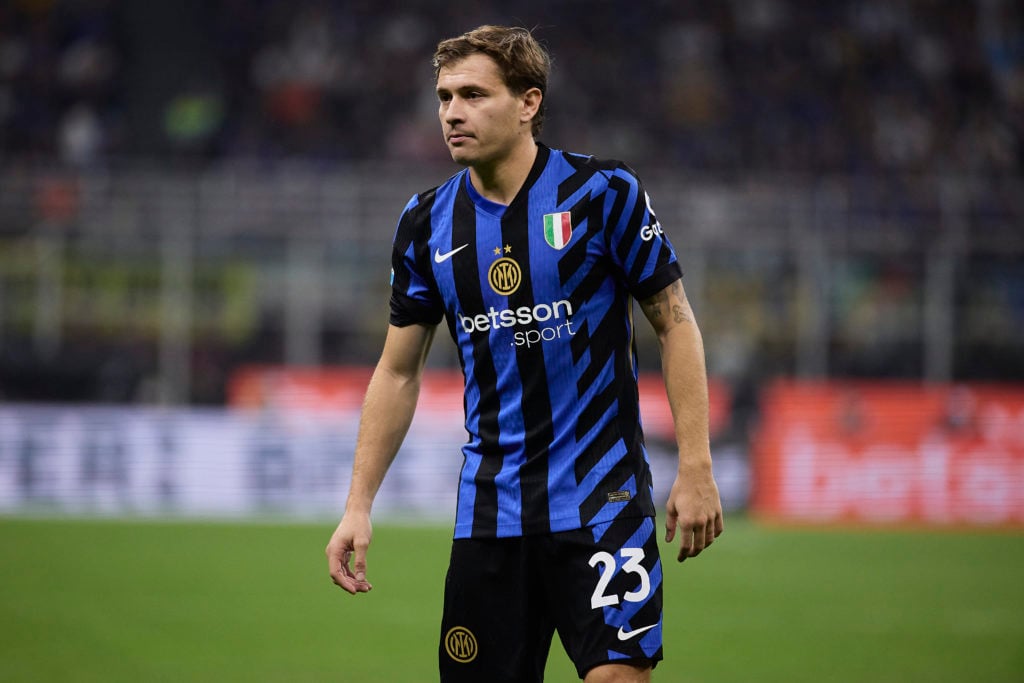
668, 308
405, 350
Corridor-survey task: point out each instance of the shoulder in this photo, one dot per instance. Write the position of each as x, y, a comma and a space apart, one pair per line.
418, 209
614, 172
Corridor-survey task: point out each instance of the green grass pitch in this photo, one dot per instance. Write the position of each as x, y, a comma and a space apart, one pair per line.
159, 601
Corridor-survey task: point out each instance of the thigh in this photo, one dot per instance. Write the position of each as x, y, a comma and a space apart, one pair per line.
606, 587
494, 626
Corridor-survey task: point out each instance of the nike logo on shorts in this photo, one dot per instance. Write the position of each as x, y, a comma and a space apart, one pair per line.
441, 258
626, 635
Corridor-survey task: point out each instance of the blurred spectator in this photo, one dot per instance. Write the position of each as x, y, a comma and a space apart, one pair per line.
877, 92
742, 86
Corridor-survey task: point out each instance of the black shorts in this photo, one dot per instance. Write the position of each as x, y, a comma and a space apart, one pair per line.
504, 598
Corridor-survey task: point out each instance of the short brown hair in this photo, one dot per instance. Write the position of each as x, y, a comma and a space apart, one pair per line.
522, 61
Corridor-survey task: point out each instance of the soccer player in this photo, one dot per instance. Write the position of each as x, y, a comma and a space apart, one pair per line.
532, 256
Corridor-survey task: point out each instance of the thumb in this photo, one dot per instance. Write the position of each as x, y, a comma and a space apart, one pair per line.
359, 565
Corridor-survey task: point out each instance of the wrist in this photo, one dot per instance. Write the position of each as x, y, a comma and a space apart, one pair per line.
694, 464
358, 505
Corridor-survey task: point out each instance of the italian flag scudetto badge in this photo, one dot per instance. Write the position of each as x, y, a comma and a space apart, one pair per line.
557, 229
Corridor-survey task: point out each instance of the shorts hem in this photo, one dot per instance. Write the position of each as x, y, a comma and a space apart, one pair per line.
651, 661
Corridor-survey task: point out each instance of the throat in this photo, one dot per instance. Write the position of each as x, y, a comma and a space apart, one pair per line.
501, 182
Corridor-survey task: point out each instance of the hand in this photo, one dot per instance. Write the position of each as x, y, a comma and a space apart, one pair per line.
352, 536
695, 508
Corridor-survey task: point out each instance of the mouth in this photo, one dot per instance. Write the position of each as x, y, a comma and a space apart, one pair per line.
457, 137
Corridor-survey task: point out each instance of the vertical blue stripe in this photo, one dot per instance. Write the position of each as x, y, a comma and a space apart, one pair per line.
467, 489
510, 419
510, 498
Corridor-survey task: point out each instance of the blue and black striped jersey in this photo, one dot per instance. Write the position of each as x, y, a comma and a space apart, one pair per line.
537, 296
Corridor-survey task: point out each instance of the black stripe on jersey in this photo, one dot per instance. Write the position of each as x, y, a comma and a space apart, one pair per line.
533, 474
612, 326
580, 341
467, 283
646, 247
576, 256
601, 402
615, 480
625, 427
621, 189
406, 310
623, 528
664, 276
596, 448
642, 505
584, 171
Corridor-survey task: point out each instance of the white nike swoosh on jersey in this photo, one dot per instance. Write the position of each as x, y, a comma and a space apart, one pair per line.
441, 258
623, 635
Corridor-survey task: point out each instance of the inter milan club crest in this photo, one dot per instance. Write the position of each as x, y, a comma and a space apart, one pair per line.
504, 275
558, 229
461, 645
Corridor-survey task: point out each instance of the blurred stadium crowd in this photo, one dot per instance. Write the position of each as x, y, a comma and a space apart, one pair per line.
845, 85
889, 96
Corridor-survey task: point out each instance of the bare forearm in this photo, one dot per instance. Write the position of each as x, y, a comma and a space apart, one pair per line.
682, 361
682, 352
387, 413
693, 506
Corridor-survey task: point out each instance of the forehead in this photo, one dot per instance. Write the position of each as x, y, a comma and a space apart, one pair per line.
475, 69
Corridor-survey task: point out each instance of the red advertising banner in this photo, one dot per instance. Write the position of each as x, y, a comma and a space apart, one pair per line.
881, 452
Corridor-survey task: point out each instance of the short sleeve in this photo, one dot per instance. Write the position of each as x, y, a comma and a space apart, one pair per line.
414, 295
638, 243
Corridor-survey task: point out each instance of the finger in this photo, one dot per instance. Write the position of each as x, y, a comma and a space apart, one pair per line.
671, 519
698, 539
333, 562
359, 568
685, 544
346, 584
709, 533
719, 525
340, 574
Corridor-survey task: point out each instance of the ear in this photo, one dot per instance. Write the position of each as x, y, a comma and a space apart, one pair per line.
530, 104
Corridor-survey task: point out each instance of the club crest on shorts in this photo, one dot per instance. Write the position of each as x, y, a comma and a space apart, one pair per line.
460, 644
558, 229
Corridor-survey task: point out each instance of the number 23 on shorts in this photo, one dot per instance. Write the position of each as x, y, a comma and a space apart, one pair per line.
631, 559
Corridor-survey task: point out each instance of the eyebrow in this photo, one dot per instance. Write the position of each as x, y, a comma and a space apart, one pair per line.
467, 87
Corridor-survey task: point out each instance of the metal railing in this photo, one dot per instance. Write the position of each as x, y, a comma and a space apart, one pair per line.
799, 275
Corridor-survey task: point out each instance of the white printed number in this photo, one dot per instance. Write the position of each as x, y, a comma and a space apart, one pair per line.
632, 557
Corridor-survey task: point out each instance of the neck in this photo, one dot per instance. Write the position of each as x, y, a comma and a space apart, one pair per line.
500, 181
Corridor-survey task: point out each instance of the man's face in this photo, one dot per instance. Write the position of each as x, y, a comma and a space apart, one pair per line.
480, 117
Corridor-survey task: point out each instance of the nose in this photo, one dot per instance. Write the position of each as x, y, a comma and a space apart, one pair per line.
453, 111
